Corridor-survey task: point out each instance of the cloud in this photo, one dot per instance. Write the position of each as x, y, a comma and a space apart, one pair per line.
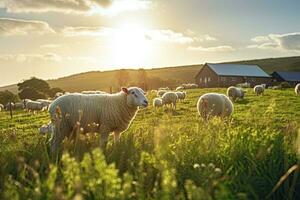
287, 42
212, 49
10, 26
168, 36
74, 6
86, 31
30, 57
51, 45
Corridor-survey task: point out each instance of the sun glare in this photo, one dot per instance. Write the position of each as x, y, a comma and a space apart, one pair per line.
130, 46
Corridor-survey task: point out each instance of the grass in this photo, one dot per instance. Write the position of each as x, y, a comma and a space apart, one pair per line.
163, 155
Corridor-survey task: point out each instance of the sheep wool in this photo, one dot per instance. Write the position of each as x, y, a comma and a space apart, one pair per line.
235, 93
157, 102
214, 104
34, 106
297, 89
259, 89
170, 98
179, 88
1, 107
160, 93
9, 105
93, 92
110, 113
19, 105
181, 95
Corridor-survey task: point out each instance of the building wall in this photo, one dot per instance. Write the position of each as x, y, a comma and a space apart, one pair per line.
208, 78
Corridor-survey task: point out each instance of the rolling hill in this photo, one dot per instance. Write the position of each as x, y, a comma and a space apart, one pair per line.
171, 76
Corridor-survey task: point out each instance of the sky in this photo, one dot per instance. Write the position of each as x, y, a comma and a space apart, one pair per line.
54, 38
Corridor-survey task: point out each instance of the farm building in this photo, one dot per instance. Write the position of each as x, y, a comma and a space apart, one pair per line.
282, 76
224, 75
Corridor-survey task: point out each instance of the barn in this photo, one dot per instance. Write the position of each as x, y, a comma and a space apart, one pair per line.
225, 75
283, 76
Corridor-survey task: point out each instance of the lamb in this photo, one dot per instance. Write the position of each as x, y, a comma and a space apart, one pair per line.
157, 102
235, 93
170, 98
259, 89
214, 104
160, 93
34, 106
297, 89
181, 95
93, 92
110, 112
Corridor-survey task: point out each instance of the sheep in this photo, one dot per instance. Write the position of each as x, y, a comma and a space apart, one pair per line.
93, 92
181, 95
235, 93
45, 102
297, 89
19, 105
170, 98
164, 88
9, 105
46, 128
244, 85
110, 112
189, 86
179, 88
259, 89
214, 104
34, 106
157, 102
160, 93
1, 107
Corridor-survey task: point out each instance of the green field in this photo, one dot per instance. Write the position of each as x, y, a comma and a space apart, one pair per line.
163, 155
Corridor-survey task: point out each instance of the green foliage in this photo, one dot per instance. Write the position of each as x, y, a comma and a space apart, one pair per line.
163, 155
7, 96
36, 84
285, 85
30, 93
54, 90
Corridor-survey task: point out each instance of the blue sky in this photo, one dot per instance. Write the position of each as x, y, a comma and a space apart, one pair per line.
48, 39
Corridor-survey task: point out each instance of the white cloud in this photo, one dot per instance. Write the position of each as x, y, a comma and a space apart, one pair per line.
287, 42
51, 45
86, 31
109, 7
212, 49
10, 26
168, 36
30, 57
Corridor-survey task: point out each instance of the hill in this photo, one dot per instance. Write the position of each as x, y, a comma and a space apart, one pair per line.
165, 76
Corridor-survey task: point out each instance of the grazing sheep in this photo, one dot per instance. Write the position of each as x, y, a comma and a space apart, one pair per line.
110, 112
189, 86
179, 88
157, 102
170, 98
297, 89
244, 85
45, 102
93, 92
34, 106
1, 107
259, 89
46, 128
9, 105
214, 104
181, 95
19, 105
164, 88
160, 93
235, 93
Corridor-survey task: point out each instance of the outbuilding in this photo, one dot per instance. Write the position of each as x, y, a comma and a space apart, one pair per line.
291, 77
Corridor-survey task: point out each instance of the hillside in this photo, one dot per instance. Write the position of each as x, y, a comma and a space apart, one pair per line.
170, 76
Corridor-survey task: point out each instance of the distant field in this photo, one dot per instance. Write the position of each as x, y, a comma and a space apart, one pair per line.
163, 155
170, 76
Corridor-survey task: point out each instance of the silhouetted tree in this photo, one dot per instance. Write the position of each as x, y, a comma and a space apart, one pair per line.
30, 93
142, 79
33, 88
7, 96
122, 77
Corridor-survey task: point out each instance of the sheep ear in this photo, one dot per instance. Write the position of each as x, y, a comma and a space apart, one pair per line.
125, 90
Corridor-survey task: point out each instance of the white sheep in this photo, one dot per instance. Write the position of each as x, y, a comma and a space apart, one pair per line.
179, 88
214, 104
297, 89
181, 95
164, 88
170, 98
46, 128
259, 89
45, 102
157, 102
34, 106
160, 93
93, 92
244, 85
9, 105
1, 107
19, 105
110, 112
235, 93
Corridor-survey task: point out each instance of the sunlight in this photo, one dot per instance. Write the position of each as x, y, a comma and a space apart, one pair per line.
129, 46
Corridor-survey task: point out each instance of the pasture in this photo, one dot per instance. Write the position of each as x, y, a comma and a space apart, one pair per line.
163, 155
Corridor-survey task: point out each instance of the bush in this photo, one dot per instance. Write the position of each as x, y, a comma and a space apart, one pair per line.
285, 85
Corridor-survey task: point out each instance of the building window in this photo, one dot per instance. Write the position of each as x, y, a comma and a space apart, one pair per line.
223, 78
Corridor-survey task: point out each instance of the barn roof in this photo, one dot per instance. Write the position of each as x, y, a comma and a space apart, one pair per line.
237, 70
289, 76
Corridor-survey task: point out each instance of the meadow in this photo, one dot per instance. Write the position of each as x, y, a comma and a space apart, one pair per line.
163, 155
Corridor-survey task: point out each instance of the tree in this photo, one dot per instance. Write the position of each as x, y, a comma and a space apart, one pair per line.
52, 92
36, 84
7, 96
142, 79
122, 77
30, 93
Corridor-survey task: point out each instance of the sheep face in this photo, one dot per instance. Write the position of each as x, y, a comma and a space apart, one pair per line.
135, 97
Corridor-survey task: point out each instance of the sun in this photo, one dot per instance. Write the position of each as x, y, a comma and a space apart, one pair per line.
129, 46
